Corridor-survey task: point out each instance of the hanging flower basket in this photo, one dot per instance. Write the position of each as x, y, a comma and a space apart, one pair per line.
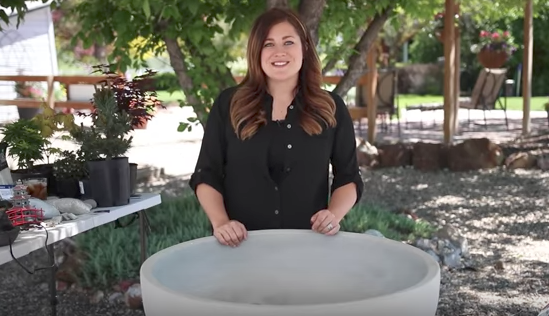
489, 58
494, 49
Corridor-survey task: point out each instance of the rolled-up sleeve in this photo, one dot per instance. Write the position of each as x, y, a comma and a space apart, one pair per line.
210, 167
344, 153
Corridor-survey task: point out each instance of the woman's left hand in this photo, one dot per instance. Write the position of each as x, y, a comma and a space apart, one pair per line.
325, 222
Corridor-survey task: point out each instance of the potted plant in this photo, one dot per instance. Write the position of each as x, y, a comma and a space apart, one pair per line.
51, 122
70, 171
27, 145
28, 90
137, 97
104, 146
494, 48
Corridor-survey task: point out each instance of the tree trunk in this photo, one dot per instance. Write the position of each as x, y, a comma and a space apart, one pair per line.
357, 62
178, 64
277, 4
100, 52
310, 12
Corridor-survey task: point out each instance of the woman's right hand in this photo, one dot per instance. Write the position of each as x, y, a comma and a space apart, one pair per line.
231, 233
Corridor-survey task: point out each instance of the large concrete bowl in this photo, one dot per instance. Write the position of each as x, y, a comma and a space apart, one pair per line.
294, 273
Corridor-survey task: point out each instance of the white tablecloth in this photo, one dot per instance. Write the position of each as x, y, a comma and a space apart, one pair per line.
29, 241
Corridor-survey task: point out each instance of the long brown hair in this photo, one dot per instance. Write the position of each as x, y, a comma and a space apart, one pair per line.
247, 114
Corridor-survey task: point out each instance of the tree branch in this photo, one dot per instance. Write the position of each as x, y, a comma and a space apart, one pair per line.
177, 61
310, 12
357, 61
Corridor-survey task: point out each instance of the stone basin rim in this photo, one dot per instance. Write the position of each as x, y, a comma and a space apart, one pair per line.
433, 270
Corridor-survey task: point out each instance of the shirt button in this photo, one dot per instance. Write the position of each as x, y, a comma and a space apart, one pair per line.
289, 146
291, 106
276, 188
288, 169
289, 126
276, 212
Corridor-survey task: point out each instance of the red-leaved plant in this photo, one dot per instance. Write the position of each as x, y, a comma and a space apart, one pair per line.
137, 96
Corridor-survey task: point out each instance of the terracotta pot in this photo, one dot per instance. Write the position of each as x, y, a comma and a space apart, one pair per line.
492, 59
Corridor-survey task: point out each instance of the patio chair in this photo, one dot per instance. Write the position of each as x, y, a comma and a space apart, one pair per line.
485, 95
386, 91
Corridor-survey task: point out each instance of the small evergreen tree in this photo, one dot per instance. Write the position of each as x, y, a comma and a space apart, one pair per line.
107, 138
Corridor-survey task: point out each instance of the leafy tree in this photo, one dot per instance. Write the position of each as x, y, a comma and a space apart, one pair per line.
20, 7
190, 32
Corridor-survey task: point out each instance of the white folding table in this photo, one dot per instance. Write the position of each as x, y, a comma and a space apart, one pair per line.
35, 239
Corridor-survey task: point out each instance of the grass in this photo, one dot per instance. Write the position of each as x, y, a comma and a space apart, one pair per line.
513, 103
112, 254
168, 97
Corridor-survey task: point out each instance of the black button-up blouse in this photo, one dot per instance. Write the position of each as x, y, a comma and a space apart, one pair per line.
280, 177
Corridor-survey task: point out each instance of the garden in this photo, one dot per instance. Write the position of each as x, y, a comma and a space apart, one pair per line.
477, 206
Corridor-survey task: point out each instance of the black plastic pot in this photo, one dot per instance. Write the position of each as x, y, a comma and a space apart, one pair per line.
110, 181
133, 178
120, 181
100, 182
68, 188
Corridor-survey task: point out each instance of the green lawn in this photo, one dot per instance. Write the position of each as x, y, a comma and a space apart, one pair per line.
168, 97
513, 103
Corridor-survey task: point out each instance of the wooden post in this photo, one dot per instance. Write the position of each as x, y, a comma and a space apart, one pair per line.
50, 98
527, 65
449, 71
455, 118
371, 88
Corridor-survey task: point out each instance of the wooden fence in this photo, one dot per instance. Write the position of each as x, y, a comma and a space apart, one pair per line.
66, 81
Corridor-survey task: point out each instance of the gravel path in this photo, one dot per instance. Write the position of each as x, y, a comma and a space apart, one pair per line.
503, 214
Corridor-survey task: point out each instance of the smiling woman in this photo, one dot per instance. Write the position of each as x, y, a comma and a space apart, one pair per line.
268, 143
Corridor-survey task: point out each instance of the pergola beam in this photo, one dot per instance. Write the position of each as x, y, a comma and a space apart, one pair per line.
527, 65
449, 71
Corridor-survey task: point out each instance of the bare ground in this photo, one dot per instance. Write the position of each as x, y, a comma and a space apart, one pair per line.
504, 215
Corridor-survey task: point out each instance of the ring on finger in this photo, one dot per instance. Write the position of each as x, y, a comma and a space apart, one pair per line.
330, 226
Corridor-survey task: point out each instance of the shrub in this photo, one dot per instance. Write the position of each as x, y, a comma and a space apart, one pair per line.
113, 254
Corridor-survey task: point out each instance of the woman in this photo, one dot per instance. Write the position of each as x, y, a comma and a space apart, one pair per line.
268, 143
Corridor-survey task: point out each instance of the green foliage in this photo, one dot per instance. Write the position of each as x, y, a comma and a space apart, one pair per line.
196, 27
394, 226
113, 254
19, 7
25, 142
167, 81
107, 137
71, 165
200, 36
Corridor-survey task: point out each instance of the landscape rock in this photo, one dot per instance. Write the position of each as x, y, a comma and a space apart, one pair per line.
97, 297
394, 155
474, 154
543, 162
520, 160
133, 298
367, 154
429, 156
448, 247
